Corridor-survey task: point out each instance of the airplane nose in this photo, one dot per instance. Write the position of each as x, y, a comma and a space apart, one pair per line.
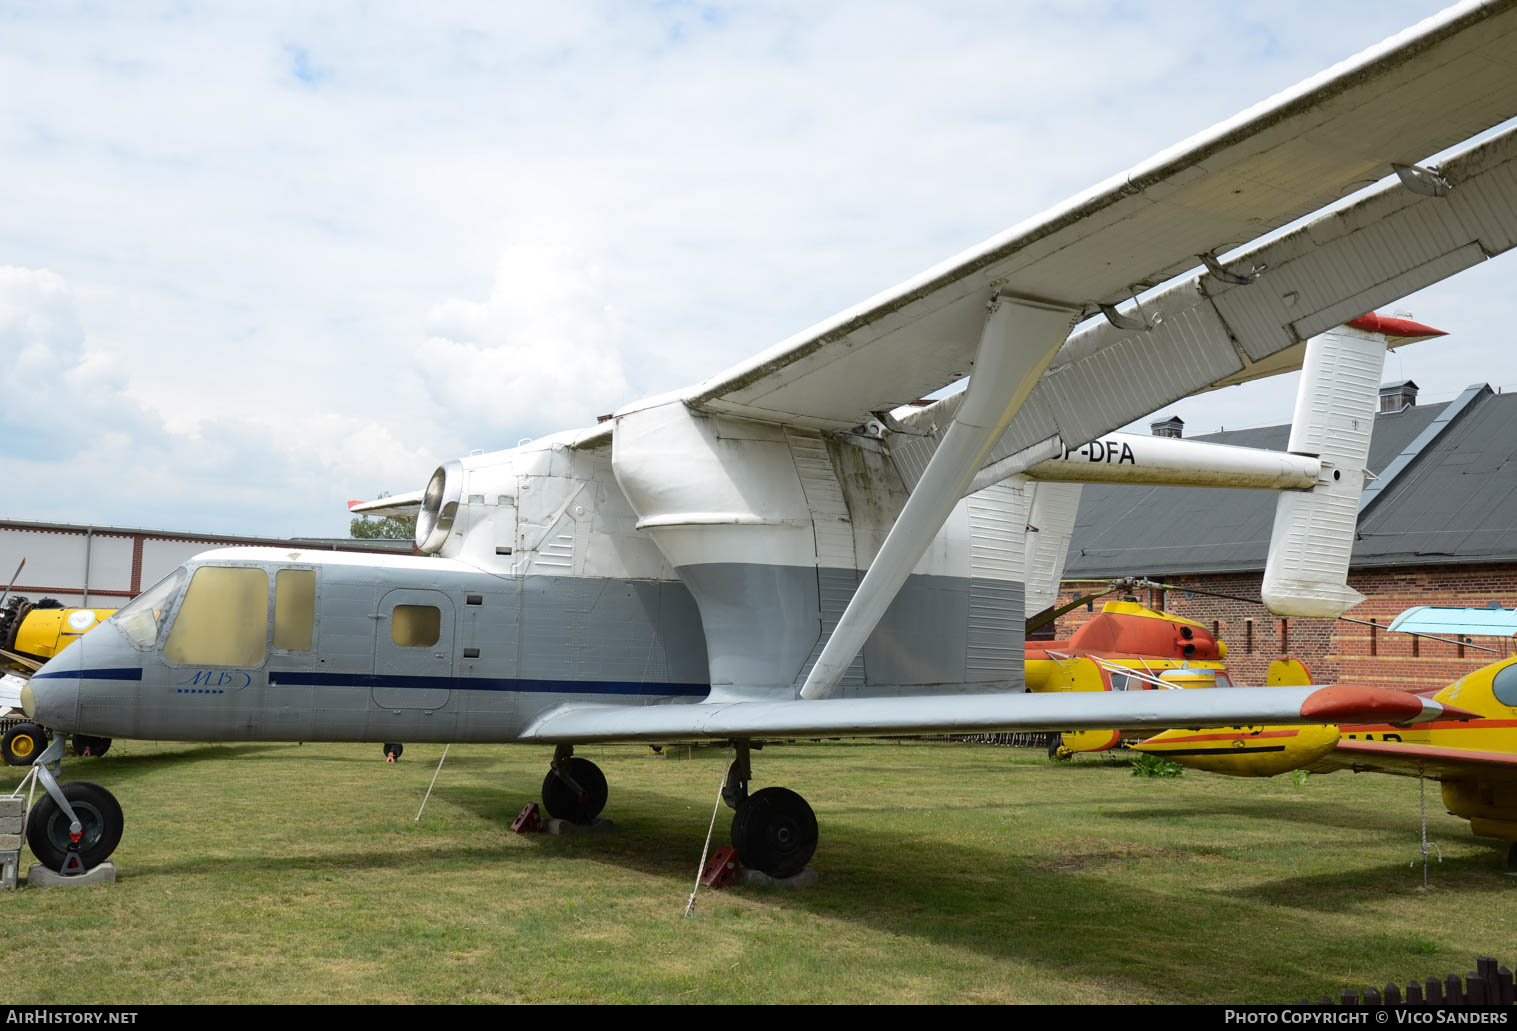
51, 697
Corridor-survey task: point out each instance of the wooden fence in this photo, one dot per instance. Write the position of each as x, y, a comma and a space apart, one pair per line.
1486, 985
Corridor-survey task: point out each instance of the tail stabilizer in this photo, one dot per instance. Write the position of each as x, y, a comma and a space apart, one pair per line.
1313, 538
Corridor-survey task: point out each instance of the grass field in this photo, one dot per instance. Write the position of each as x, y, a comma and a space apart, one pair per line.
296, 873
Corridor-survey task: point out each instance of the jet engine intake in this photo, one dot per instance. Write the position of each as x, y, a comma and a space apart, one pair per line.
439, 506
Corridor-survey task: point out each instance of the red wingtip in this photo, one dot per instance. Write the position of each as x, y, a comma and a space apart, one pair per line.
1405, 329
1347, 703
353, 504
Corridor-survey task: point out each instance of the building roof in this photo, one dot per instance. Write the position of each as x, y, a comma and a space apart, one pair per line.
1447, 493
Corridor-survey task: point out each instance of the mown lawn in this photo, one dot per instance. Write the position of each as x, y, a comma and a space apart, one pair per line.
949, 872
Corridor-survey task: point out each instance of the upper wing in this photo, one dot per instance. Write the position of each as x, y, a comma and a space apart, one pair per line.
1429, 88
976, 713
1387, 243
1414, 760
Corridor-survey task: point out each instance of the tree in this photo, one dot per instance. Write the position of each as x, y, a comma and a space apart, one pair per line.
385, 527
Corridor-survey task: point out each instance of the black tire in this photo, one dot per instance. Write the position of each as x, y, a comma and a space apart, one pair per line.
775, 832
563, 803
99, 816
86, 746
21, 745
394, 749
1511, 858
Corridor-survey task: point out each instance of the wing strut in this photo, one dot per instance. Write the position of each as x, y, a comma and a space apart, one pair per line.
1019, 339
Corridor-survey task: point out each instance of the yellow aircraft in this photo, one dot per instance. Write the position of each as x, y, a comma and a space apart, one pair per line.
30, 634
1476, 762
1129, 647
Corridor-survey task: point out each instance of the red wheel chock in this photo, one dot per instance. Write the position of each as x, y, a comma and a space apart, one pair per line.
529, 820
722, 869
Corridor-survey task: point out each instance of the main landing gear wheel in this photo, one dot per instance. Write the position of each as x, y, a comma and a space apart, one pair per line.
86, 746
564, 802
22, 743
392, 752
99, 818
774, 831
1511, 858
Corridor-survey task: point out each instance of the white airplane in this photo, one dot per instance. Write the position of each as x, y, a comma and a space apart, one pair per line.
781, 551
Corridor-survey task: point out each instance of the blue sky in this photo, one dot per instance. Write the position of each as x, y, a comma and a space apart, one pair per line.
259, 259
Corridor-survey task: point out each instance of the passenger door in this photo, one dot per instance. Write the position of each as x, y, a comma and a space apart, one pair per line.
413, 650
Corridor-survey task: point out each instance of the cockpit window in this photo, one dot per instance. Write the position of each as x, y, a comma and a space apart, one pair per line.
1504, 685
224, 620
142, 617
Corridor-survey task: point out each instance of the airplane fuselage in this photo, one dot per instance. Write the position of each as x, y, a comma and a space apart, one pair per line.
395, 649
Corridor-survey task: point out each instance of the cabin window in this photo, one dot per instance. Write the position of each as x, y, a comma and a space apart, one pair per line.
224, 620
142, 617
416, 626
1504, 685
294, 609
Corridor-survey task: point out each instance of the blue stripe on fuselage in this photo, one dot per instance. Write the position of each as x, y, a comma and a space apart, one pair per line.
298, 678
90, 674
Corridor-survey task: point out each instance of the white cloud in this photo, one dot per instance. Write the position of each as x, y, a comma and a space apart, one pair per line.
298, 253
543, 350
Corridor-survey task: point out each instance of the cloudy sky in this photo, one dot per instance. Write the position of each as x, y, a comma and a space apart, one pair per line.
256, 260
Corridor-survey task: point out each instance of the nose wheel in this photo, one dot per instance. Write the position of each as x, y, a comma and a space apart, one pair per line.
100, 825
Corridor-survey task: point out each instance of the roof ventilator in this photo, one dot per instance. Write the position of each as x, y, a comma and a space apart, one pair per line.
1422, 180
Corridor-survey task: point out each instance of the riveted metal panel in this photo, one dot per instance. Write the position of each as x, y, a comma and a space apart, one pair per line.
836, 576
1051, 523
997, 524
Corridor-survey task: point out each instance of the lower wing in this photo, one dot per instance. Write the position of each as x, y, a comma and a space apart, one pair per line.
976, 713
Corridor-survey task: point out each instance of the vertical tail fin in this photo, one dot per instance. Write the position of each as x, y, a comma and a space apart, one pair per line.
1307, 570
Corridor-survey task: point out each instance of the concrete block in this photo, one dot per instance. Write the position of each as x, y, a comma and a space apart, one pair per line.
39, 876
12, 805
758, 879
10, 842
553, 825
10, 825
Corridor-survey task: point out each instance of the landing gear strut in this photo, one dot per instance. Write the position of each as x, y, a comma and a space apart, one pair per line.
774, 829
574, 789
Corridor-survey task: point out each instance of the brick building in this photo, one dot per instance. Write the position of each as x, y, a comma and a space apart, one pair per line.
1437, 527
